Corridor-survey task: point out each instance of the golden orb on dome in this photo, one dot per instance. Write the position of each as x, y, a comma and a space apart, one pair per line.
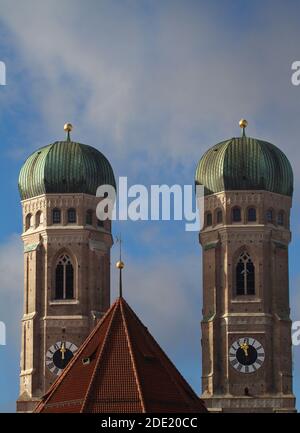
68, 127
120, 264
243, 123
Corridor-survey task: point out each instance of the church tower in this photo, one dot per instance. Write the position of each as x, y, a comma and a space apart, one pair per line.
66, 259
246, 326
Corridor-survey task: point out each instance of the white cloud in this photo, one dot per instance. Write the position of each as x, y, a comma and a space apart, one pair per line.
168, 85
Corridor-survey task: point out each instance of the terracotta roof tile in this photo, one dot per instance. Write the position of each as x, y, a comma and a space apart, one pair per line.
120, 368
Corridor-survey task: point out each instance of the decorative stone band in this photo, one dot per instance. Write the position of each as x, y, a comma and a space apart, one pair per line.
97, 245
209, 318
286, 403
281, 245
211, 245
31, 247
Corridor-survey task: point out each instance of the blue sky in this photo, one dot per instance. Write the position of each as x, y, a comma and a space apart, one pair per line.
152, 85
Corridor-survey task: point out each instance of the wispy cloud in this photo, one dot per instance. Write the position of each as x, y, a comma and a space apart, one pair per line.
159, 81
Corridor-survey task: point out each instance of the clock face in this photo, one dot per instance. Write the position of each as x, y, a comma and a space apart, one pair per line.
246, 355
59, 355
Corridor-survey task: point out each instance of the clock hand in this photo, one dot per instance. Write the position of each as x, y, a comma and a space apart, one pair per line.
244, 347
63, 351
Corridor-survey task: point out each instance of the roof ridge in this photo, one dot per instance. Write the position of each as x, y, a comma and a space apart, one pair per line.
59, 379
134, 364
116, 304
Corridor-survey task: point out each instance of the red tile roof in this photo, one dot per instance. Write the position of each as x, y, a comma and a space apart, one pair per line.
120, 368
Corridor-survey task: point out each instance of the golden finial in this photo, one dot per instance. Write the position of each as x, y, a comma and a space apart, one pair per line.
120, 264
68, 128
243, 124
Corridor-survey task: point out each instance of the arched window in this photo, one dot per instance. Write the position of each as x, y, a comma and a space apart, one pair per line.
38, 218
71, 215
219, 216
251, 215
28, 221
64, 278
208, 219
56, 216
280, 218
236, 214
269, 216
245, 275
89, 217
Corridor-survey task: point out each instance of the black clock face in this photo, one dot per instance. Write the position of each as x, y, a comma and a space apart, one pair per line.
246, 355
59, 355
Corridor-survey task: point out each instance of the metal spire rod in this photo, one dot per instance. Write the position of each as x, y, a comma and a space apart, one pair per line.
120, 265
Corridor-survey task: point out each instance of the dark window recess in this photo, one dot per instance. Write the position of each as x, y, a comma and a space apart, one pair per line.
250, 278
59, 283
251, 214
236, 214
89, 217
208, 219
219, 217
280, 218
69, 282
56, 216
240, 278
269, 216
71, 216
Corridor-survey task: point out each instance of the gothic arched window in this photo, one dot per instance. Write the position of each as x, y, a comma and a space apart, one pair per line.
64, 278
56, 216
236, 214
245, 275
71, 215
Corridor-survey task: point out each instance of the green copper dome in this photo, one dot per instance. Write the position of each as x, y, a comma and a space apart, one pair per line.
245, 163
64, 167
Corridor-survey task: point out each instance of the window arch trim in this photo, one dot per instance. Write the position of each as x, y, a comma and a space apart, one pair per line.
66, 292
244, 275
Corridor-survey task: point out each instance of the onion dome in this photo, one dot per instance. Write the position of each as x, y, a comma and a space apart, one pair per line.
245, 163
65, 167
